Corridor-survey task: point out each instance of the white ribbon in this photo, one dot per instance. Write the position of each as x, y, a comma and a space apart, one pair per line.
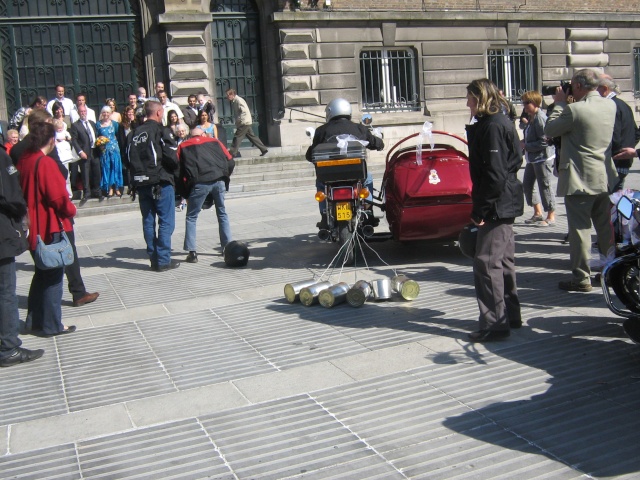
426, 132
343, 142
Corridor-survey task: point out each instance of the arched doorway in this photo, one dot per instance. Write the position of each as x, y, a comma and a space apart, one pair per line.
88, 46
235, 37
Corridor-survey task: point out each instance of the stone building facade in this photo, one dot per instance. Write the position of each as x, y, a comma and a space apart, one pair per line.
404, 62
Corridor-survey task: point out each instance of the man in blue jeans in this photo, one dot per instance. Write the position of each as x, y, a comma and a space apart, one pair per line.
152, 161
205, 168
13, 241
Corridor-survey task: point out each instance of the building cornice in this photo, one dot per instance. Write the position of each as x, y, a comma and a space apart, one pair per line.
305, 16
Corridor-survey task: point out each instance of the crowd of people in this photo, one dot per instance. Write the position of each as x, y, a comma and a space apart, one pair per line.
587, 139
53, 152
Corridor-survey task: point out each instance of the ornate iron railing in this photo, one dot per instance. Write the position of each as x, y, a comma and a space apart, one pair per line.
89, 46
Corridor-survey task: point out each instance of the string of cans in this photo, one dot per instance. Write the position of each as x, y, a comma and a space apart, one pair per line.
311, 292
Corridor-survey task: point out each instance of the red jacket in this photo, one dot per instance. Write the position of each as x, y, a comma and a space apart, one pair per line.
53, 199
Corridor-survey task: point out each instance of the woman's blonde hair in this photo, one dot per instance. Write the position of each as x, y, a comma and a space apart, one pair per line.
488, 96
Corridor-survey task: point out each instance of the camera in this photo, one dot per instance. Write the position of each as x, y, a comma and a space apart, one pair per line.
565, 85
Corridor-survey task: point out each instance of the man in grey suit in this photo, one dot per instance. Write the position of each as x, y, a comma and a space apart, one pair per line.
83, 138
586, 172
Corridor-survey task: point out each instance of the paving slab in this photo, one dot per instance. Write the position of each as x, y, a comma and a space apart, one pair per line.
209, 370
64, 429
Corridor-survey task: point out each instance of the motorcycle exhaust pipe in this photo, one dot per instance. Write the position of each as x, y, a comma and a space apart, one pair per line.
367, 231
324, 234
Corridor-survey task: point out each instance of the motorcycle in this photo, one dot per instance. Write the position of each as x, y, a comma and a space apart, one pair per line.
342, 167
622, 275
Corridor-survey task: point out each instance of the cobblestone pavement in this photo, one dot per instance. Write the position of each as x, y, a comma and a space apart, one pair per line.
207, 372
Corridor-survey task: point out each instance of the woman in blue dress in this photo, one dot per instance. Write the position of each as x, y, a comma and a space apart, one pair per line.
110, 161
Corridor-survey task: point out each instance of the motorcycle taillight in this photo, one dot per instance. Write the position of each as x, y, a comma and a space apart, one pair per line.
342, 193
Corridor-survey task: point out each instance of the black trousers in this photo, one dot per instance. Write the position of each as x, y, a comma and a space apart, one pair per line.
74, 279
494, 274
90, 174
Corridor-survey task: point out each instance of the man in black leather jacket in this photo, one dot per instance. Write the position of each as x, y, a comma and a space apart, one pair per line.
339, 122
13, 241
153, 163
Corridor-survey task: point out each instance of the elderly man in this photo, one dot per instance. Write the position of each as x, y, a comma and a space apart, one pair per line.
205, 168
625, 131
586, 172
244, 121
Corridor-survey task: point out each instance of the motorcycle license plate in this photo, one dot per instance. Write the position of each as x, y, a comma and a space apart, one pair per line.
343, 211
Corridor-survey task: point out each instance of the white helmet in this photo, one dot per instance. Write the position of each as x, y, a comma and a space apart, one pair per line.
338, 107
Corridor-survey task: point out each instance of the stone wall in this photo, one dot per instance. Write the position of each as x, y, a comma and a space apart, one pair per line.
319, 58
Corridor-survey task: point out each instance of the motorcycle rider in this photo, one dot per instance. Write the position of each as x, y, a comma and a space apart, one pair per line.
339, 122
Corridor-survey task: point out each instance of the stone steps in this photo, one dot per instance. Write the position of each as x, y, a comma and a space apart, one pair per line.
277, 172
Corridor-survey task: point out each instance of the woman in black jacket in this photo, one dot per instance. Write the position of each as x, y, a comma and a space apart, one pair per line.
497, 195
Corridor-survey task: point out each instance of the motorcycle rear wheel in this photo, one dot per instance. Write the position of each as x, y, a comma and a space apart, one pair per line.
345, 239
625, 282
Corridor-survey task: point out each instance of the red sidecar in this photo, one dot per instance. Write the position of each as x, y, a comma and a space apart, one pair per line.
426, 198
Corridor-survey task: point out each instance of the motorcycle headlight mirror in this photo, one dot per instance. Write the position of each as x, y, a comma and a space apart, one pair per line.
625, 207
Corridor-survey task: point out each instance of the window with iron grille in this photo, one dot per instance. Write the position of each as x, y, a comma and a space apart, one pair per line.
512, 70
388, 80
636, 72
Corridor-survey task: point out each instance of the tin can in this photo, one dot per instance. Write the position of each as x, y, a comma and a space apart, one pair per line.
309, 295
359, 293
292, 290
333, 295
381, 289
407, 288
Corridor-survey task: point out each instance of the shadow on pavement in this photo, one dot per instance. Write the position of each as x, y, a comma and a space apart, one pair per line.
587, 418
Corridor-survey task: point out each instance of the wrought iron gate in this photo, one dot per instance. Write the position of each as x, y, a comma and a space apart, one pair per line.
88, 46
236, 58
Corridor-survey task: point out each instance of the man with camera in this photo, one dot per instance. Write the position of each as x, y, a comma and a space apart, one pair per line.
585, 172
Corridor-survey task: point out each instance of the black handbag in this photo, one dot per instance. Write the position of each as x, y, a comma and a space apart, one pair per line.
55, 255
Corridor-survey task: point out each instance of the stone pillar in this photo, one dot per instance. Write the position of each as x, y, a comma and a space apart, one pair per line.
189, 55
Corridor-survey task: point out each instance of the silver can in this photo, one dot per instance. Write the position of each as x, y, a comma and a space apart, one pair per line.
309, 295
381, 289
407, 288
333, 295
359, 293
292, 290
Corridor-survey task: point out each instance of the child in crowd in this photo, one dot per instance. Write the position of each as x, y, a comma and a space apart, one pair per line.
65, 151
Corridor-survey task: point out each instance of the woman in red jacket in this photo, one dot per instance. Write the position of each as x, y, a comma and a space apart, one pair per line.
49, 210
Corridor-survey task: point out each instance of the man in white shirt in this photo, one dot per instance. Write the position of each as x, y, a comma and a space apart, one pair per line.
168, 106
66, 103
81, 101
